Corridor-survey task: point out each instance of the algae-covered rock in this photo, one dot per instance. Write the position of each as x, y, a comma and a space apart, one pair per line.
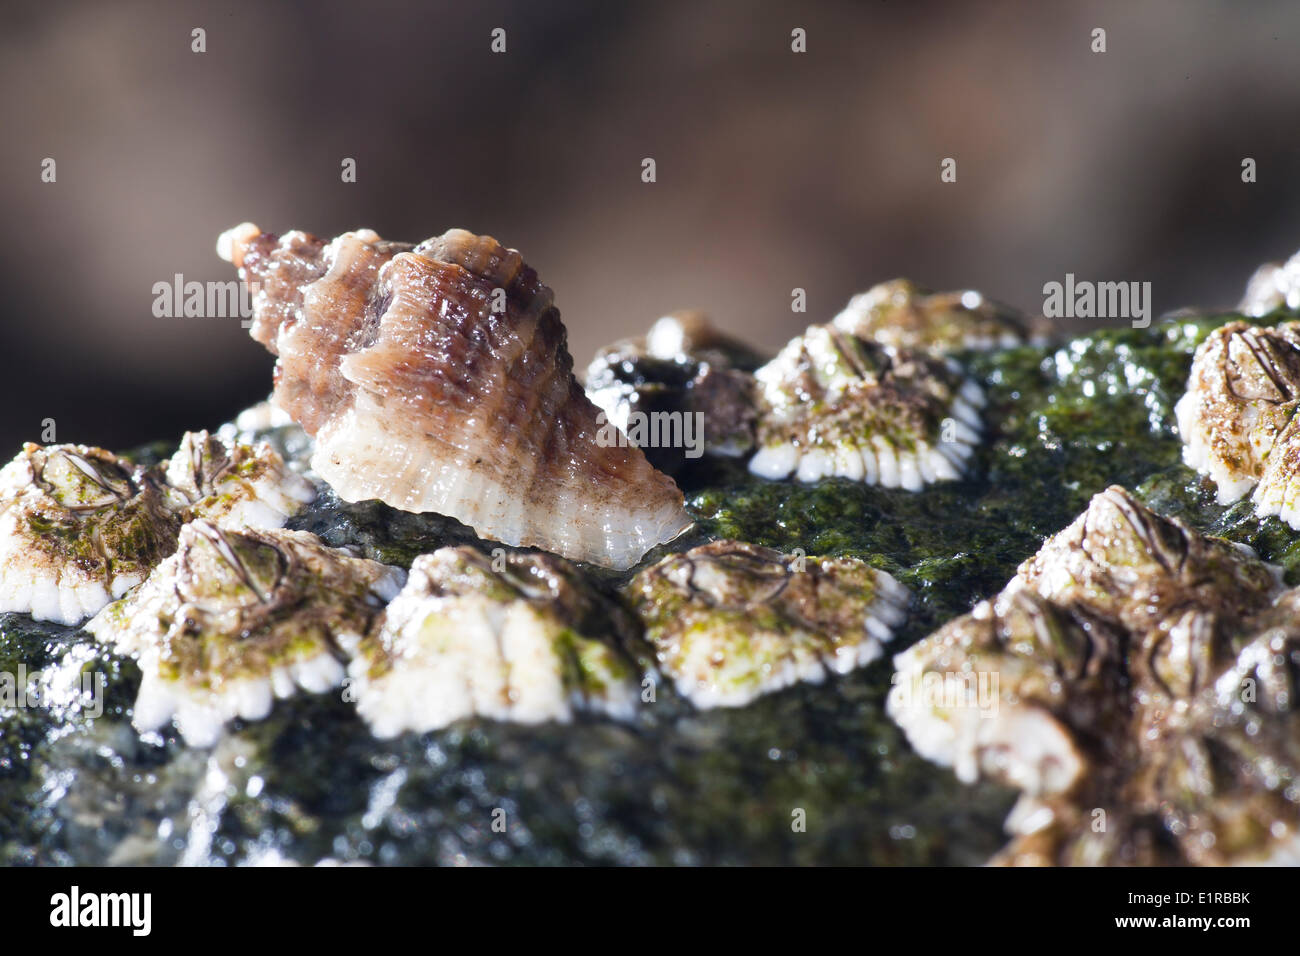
813, 773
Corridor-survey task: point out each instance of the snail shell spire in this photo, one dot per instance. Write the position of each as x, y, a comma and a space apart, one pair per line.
436, 377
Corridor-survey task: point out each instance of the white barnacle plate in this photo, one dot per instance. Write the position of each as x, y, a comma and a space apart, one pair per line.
1238, 417
964, 705
1274, 285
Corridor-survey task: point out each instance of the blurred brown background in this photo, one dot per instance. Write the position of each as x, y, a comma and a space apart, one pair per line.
775, 169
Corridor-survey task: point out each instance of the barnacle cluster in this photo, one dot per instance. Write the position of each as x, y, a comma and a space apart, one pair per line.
434, 376
1137, 682
521, 637
81, 526
872, 396
730, 621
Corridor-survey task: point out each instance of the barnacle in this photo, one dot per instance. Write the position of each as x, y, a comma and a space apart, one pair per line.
1274, 285
265, 422
834, 404
1238, 416
234, 484
1137, 682
683, 380
255, 419
901, 314
79, 527
982, 694
518, 637
690, 335
731, 621
235, 619
435, 377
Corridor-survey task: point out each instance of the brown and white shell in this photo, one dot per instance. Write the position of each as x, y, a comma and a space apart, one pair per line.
436, 377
